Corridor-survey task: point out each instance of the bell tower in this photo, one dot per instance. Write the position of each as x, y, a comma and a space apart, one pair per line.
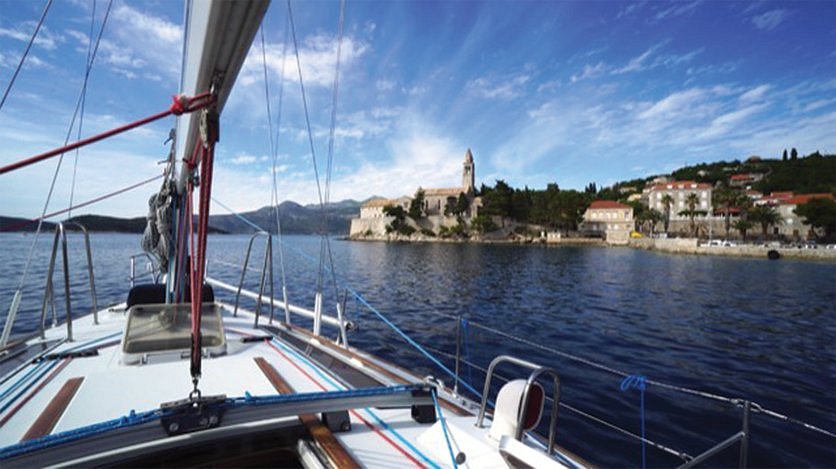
468, 173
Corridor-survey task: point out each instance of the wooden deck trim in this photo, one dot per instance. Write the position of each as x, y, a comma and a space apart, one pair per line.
54, 410
326, 440
398, 379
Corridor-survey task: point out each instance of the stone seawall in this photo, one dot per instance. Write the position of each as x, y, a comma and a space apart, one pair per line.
690, 246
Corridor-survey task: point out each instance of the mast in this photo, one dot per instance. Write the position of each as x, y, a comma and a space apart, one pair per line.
218, 35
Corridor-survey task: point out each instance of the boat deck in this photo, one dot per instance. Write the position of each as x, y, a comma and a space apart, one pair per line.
86, 382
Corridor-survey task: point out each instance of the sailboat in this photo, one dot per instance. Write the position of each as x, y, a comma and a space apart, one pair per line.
173, 376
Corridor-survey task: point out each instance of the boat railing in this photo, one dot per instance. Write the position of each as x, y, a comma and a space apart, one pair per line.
151, 268
267, 268
292, 309
49, 290
536, 372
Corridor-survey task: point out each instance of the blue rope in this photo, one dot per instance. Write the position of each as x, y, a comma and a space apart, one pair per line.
365, 303
133, 418
444, 428
638, 382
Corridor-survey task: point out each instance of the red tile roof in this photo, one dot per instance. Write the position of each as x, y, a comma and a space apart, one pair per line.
742, 177
802, 199
598, 204
680, 185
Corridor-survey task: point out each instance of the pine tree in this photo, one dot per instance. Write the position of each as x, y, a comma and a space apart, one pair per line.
785, 155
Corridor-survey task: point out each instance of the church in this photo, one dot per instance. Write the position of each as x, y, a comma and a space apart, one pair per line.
435, 200
373, 220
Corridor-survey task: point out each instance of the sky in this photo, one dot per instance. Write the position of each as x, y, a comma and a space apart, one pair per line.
564, 91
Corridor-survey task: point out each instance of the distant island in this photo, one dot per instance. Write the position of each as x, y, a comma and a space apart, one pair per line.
295, 219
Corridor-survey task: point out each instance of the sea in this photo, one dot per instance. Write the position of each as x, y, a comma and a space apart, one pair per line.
739, 328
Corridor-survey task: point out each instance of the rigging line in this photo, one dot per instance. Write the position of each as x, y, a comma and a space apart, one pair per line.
66, 140
25, 53
275, 155
83, 104
88, 202
331, 139
307, 124
274, 194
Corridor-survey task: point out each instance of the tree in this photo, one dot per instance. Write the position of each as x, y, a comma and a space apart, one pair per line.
692, 200
398, 224
649, 217
484, 224
743, 225
416, 206
819, 213
793, 154
726, 198
784, 158
766, 216
462, 204
667, 201
450, 206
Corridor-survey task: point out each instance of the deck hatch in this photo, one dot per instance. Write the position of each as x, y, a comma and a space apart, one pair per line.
165, 328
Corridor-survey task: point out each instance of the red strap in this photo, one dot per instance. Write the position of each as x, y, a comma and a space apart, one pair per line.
187, 105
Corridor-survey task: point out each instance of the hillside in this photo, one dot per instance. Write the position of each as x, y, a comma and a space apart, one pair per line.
295, 218
810, 174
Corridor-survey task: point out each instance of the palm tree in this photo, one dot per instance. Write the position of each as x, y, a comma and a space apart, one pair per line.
743, 225
692, 200
725, 197
667, 201
766, 216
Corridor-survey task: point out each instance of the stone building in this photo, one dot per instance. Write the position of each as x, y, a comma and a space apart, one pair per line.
679, 192
373, 220
612, 220
435, 200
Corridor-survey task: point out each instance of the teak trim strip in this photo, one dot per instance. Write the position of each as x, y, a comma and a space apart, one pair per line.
458, 410
54, 410
320, 433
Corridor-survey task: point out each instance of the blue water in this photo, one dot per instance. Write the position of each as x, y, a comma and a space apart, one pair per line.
751, 328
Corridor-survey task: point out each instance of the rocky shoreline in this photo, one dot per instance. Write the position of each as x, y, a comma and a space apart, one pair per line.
689, 246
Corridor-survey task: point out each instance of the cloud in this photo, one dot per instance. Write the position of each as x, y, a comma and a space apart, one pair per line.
243, 159
137, 43
643, 61
505, 88
317, 54
589, 71
769, 20
755, 94
23, 33
384, 85
674, 104
677, 9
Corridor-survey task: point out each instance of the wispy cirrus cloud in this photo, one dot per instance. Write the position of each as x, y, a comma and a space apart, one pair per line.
505, 88
677, 9
769, 20
590, 71
650, 59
